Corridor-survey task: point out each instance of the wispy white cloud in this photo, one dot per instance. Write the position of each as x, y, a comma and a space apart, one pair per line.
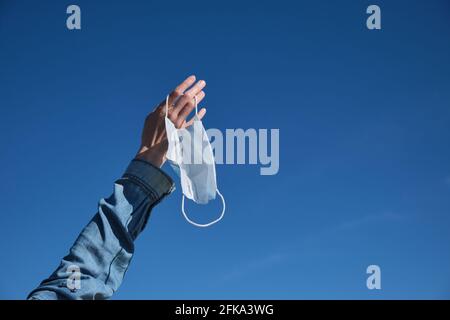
351, 224
253, 265
293, 249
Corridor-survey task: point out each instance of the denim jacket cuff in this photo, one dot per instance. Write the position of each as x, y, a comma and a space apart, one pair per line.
149, 177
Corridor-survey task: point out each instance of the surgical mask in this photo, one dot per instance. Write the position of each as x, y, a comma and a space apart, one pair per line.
190, 155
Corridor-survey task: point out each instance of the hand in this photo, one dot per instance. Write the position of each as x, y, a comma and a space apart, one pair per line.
181, 102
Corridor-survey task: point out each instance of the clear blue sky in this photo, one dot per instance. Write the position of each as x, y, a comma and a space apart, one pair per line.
364, 119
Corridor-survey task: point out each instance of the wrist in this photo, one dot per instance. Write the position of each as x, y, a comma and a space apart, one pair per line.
152, 156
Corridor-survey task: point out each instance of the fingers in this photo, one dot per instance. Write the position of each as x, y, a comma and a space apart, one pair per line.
188, 97
177, 92
200, 116
195, 89
186, 103
200, 97
182, 115
182, 102
181, 88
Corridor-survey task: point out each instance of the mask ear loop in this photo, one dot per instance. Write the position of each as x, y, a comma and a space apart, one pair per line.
206, 224
217, 190
167, 105
196, 102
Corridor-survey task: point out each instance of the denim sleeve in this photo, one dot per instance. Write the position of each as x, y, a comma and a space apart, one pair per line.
96, 264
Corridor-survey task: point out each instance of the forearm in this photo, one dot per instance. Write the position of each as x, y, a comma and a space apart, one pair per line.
103, 250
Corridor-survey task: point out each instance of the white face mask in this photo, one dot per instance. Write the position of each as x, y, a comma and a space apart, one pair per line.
190, 155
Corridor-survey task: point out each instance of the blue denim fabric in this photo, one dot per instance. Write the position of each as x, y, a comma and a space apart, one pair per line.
104, 248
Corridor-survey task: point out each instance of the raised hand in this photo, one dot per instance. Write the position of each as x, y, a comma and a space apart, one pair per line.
181, 103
